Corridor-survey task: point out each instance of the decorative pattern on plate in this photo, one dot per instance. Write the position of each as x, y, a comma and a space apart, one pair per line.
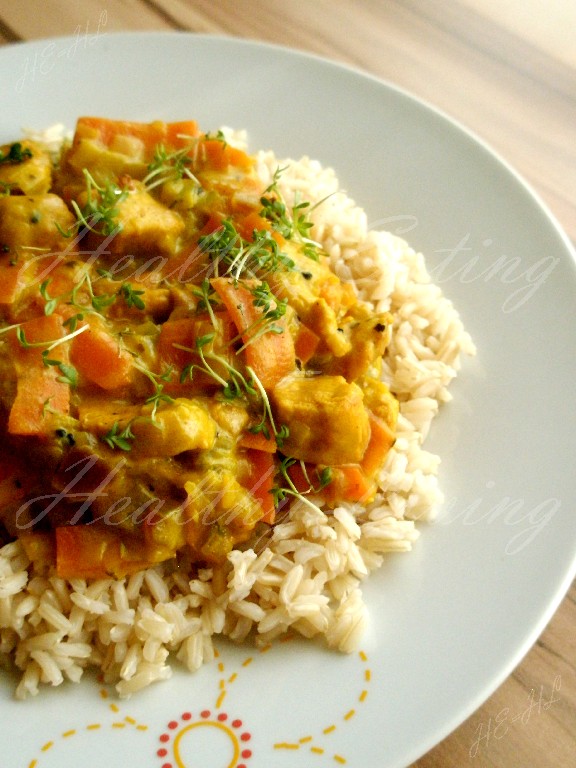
219, 736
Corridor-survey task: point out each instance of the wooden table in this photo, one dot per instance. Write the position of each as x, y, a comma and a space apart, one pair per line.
506, 69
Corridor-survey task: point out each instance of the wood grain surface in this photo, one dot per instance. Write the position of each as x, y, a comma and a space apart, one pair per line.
507, 70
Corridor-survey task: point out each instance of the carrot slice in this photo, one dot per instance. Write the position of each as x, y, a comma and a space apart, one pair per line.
259, 442
254, 222
270, 355
181, 332
11, 280
218, 156
98, 357
349, 483
260, 481
84, 552
184, 331
40, 391
382, 438
305, 344
109, 132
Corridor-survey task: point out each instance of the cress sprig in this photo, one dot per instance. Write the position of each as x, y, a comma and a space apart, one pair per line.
68, 374
169, 166
280, 492
236, 386
122, 440
98, 301
100, 212
243, 258
292, 223
272, 309
158, 380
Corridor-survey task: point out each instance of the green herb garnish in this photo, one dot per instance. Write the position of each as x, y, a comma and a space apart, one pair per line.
121, 440
15, 154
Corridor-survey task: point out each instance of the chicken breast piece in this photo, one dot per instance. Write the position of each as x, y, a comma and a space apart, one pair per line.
327, 419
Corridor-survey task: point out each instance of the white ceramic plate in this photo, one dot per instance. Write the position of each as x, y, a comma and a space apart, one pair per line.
451, 620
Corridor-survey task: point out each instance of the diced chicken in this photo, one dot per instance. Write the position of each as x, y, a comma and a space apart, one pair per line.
380, 401
183, 425
180, 195
34, 221
127, 154
185, 197
99, 418
368, 341
322, 320
147, 226
327, 419
318, 297
29, 173
229, 417
219, 513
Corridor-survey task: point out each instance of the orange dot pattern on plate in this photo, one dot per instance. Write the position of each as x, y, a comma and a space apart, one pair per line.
308, 740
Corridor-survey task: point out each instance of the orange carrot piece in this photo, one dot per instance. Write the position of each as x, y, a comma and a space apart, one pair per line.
172, 136
30, 270
218, 155
60, 282
349, 483
259, 442
270, 355
301, 476
305, 344
86, 552
181, 331
39, 392
42, 329
253, 222
382, 438
11, 280
185, 330
98, 357
83, 552
260, 481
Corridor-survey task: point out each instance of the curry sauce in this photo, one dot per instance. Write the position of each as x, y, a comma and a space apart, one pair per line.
178, 361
